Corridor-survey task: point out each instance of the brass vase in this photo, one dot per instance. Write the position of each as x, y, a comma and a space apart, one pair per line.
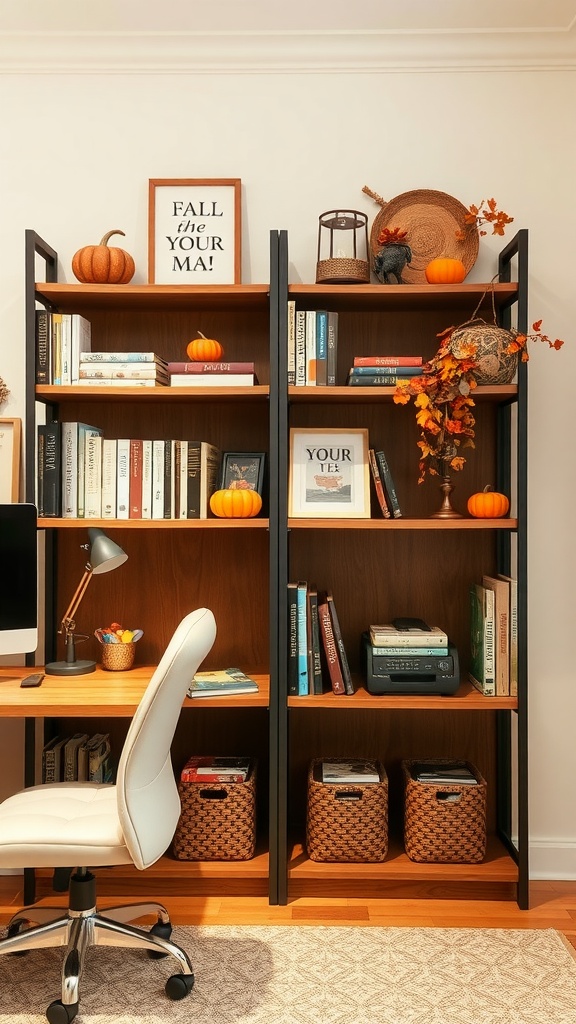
446, 511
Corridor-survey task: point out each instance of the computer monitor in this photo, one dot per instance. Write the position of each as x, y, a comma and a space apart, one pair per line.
18, 579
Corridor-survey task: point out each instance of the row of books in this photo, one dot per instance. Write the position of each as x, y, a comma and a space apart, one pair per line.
494, 636
82, 474
142, 369
384, 484
383, 371
61, 339
78, 758
312, 346
209, 768
317, 659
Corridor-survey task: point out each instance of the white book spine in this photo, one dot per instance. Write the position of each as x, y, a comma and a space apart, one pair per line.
146, 479
93, 478
109, 446
291, 341
66, 341
84, 432
182, 511
81, 342
300, 347
157, 479
123, 478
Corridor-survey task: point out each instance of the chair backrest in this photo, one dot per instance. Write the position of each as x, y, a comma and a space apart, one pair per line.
148, 801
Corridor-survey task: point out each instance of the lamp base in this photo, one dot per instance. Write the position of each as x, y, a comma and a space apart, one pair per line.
69, 668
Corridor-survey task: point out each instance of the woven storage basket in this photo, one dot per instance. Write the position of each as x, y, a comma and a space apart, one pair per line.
341, 270
346, 822
118, 657
444, 823
217, 820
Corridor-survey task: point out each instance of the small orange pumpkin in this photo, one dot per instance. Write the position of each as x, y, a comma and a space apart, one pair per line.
445, 270
204, 350
488, 504
103, 264
235, 504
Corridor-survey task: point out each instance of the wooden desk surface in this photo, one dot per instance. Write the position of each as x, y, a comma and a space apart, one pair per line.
100, 693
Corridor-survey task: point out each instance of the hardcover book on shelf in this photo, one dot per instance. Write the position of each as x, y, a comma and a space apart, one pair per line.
346, 674
310, 348
321, 347
93, 477
146, 479
213, 380
386, 635
293, 639
109, 453
300, 347
81, 341
123, 478
332, 357
49, 470
52, 759
501, 589
302, 609
120, 382
353, 771
158, 452
71, 756
223, 682
135, 479
56, 348
100, 762
387, 480
84, 432
123, 371
210, 460
291, 341
513, 633
329, 644
378, 486
215, 769
374, 380
73, 453
387, 360
210, 368
122, 357
314, 660
482, 640
385, 371
44, 353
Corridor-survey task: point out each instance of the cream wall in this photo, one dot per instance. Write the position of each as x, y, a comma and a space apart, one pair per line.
77, 151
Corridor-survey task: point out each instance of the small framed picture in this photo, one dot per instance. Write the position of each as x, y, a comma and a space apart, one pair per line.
329, 474
10, 434
243, 471
194, 231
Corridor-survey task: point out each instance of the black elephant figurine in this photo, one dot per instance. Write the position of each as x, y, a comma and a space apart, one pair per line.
391, 260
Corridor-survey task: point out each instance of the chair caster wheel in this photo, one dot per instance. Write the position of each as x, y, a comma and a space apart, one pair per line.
15, 929
179, 986
58, 1013
163, 931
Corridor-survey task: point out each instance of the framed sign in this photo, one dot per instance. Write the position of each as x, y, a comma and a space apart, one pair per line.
194, 231
329, 474
10, 433
243, 470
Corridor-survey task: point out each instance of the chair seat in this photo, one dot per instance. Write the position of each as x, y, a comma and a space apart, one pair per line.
62, 824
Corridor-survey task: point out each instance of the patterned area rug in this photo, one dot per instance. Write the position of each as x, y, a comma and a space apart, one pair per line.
311, 975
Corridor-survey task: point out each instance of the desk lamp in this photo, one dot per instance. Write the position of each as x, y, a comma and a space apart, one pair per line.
104, 555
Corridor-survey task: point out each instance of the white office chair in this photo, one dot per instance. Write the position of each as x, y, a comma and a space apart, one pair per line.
85, 825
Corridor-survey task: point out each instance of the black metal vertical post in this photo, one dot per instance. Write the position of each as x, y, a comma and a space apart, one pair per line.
282, 601
274, 520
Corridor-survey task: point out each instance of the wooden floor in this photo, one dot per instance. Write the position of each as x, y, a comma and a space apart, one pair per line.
552, 905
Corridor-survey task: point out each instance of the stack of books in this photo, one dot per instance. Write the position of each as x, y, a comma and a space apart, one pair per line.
132, 369
210, 769
312, 346
383, 371
61, 340
78, 758
222, 683
494, 636
205, 375
317, 659
388, 640
384, 485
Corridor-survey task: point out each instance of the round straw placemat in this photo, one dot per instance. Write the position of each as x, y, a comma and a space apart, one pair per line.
431, 220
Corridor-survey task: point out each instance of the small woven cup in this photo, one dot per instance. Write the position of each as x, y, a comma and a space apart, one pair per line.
118, 657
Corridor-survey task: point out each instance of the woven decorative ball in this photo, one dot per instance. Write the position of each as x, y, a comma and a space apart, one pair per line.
118, 657
431, 221
495, 365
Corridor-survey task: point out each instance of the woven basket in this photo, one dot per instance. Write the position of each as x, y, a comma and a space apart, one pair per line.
346, 822
431, 220
118, 657
444, 823
495, 365
217, 820
342, 271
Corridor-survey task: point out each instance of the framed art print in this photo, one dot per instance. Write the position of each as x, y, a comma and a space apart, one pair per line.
243, 470
10, 434
329, 474
194, 231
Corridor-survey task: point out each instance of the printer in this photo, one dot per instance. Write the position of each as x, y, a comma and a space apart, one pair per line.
408, 673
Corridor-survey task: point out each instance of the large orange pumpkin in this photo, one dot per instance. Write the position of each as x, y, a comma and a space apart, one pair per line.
235, 504
103, 264
488, 504
204, 350
445, 270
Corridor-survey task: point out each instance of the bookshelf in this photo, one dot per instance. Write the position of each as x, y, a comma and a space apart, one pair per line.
376, 568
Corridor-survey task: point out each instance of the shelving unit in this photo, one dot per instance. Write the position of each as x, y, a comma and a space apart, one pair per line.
378, 569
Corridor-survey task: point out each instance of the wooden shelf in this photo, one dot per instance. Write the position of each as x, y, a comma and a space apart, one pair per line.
80, 297
467, 698
403, 524
404, 298
492, 393
72, 393
153, 524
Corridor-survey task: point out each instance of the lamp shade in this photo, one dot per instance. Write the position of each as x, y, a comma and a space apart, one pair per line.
104, 554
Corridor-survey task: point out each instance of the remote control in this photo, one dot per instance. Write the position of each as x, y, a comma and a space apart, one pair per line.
33, 680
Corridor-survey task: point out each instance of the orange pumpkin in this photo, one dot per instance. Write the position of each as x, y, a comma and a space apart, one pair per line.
488, 504
204, 350
445, 270
235, 504
103, 264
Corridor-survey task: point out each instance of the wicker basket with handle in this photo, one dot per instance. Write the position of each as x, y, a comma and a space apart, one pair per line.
346, 822
444, 822
217, 820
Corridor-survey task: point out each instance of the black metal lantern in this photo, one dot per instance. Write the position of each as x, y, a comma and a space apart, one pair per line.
343, 248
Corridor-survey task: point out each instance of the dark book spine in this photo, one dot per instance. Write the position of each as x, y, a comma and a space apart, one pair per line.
386, 476
330, 649
375, 380
332, 353
50, 469
293, 639
315, 663
346, 675
168, 480
193, 480
378, 487
321, 347
43, 346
